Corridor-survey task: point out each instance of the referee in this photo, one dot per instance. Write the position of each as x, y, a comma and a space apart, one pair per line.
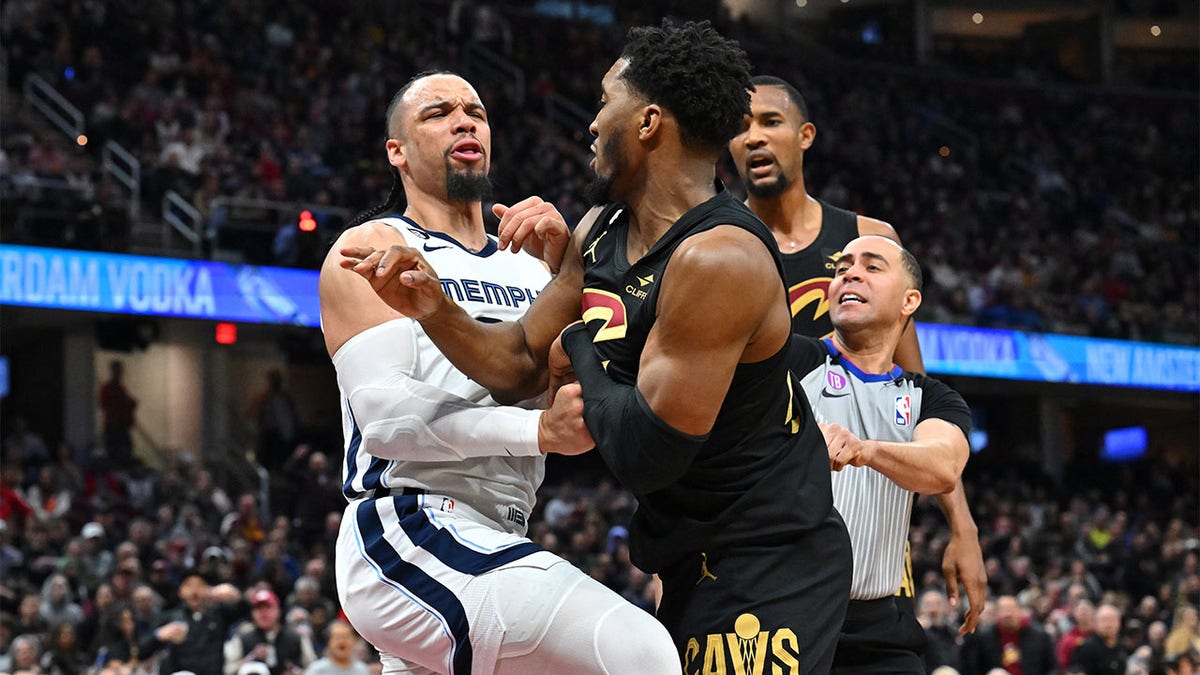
890, 433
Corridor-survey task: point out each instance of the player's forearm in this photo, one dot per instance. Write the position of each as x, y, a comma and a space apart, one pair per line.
497, 356
957, 512
928, 466
644, 452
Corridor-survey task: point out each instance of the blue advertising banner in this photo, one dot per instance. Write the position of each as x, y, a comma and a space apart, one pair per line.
1045, 357
127, 284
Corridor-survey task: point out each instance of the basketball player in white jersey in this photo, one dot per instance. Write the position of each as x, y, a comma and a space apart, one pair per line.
433, 566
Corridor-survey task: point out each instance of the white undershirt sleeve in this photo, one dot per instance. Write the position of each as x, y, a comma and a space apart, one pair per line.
405, 419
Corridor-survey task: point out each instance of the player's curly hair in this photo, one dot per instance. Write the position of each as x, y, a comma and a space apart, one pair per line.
701, 77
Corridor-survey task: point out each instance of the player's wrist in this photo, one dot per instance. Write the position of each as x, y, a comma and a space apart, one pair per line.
443, 311
543, 435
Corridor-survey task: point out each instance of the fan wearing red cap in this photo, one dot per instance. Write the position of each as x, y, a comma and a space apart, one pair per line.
266, 640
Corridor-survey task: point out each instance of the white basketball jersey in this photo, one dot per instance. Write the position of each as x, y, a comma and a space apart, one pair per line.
490, 285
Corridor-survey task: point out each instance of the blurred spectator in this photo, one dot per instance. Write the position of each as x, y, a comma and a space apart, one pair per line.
25, 447
46, 498
13, 507
245, 523
275, 413
315, 489
117, 409
122, 645
192, 636
1102, 653
1082, 614
933, 612
98, 558
266, 640
23, 657
56, 606
92, 631
1013, 642
340, 657
62, 655
1185, 632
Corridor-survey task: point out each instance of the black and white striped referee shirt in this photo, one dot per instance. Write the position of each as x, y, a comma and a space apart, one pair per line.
880, 407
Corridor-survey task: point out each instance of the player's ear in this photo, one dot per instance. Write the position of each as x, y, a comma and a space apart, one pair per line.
808, 134
395, 153
650, 123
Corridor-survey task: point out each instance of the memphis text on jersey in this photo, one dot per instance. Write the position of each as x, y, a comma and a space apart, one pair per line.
746, 650
477, 290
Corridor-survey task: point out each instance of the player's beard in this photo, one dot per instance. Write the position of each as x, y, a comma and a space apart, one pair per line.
467, 186
764, 190
599, 190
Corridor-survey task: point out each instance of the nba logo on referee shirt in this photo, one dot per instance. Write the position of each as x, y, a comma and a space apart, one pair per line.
903, 411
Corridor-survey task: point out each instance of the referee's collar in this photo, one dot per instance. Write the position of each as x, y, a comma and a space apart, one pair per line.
857, 372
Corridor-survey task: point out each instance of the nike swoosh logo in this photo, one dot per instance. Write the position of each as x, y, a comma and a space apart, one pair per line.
834, 394
431, 249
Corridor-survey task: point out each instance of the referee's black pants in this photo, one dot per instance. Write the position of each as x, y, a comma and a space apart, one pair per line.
877, 637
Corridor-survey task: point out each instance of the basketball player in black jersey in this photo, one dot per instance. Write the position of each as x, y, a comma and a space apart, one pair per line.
810, 233
682, 358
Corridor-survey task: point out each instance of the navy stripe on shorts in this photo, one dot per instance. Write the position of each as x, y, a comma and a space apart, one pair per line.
427, 589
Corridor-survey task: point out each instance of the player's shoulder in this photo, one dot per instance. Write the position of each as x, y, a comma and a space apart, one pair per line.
372, 233
728, 250
585, 225
875, 226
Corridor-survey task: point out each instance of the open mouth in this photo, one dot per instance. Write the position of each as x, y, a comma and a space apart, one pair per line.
848, 298
467, 150
759, 164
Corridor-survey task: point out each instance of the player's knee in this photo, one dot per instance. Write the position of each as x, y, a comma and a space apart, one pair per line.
630, 641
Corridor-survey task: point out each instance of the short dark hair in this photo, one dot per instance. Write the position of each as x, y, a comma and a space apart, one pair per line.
912, 268
395, 102
701, 77
792, 92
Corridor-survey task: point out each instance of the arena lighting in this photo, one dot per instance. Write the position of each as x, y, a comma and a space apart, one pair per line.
977, 18
81, 139
307, 223
801, 3
1155, 30
226, 333
944, 151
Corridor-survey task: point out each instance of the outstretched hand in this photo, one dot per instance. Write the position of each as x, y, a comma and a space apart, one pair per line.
962, 563
400, 277
533, 225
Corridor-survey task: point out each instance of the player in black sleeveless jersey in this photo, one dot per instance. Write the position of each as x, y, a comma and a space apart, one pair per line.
810, 233
682, 362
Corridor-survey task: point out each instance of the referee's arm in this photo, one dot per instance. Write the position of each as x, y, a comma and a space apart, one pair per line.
929, 464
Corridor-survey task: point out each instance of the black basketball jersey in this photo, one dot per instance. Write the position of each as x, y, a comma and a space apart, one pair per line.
809, 271
763, 474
